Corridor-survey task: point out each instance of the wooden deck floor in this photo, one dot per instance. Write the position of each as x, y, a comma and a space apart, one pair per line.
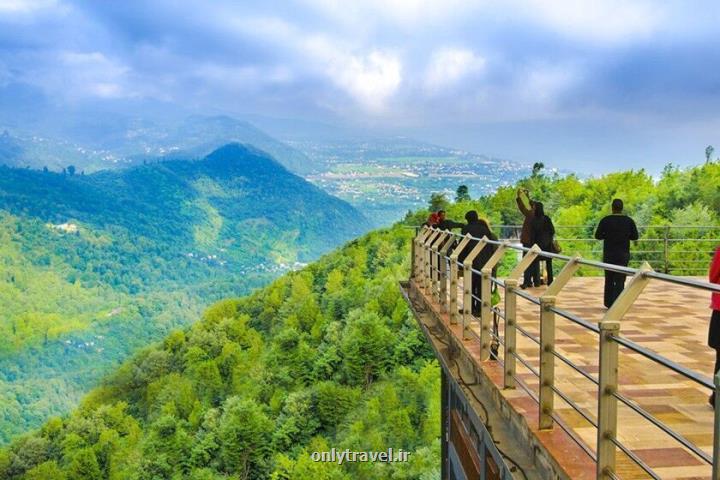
669, 320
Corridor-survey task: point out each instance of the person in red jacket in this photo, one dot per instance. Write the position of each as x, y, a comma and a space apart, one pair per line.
714, 330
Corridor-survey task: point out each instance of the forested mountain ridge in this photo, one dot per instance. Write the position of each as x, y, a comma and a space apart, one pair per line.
234, 197
324, 357
95, 266
98, 140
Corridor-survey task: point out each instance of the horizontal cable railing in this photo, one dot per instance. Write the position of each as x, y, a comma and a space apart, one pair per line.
436, 268
677, 249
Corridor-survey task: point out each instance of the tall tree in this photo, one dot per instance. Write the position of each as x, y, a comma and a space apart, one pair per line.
709, 150
245, 433
462, 194
537, 168
438, 201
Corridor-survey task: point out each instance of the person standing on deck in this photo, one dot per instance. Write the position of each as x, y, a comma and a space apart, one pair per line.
714, 330
527, 208
616, 231
477, 228
432, 220
542, 233
445, 224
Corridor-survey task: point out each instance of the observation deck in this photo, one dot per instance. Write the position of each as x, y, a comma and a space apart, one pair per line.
548, 383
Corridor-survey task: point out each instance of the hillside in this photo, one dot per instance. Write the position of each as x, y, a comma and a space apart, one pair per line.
95, 266
93, 140
325, 357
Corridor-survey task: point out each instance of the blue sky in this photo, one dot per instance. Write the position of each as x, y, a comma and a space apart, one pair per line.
586, 85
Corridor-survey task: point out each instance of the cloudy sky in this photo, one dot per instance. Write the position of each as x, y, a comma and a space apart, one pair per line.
590, 85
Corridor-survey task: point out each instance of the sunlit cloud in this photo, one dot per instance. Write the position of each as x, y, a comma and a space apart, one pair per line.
448, 66
607, 21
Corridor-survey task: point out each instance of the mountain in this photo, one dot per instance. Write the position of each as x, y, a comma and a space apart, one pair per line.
39, 134
323, 358
97, 265
199, 134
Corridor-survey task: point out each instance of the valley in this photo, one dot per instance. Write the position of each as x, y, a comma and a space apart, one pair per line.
95, 266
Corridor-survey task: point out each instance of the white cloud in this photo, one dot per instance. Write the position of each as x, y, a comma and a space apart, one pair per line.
541, 86
106, 90
93, 73
449, 65
607, 21
403, 13
25, 6
370, 79
587, 20
370, 76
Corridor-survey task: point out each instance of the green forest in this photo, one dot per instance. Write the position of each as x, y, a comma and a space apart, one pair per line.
93, 267
324, 357
681, 205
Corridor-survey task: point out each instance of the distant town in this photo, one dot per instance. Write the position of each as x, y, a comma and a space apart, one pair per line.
385, 179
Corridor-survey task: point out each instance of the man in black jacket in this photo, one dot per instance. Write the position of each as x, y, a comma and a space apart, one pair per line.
616, 231
477, 229
445, 224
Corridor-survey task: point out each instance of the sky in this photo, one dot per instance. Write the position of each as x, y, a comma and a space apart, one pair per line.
585, 85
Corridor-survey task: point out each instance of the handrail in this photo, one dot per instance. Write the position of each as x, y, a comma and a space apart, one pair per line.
434, 261
602, 265
660, 250
592, 225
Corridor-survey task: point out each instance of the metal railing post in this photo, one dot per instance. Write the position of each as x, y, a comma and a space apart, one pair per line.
666, 248
510, 348
486, 302
485, 314
427, 255
467, 298
547, 362
435, 252
444, 304
607, 401
547, 341
467, 284
608, 381
415, 264
425, 261
453, 304
413, 258
417, 250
